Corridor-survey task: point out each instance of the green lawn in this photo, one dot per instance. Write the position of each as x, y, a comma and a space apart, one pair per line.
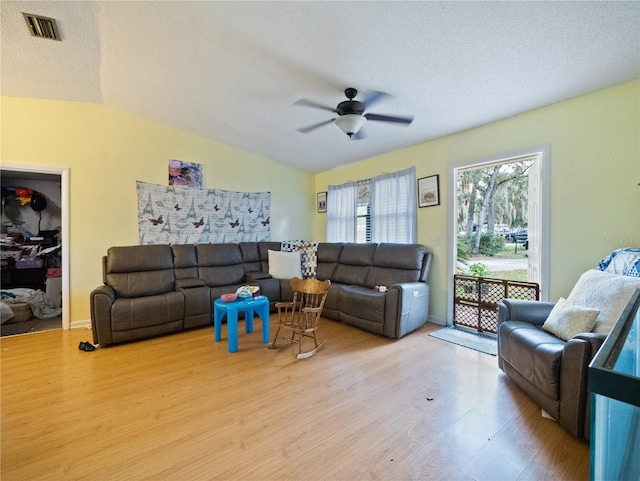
509, 252
519, 275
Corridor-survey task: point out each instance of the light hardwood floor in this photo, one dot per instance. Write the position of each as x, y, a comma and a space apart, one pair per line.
180, 407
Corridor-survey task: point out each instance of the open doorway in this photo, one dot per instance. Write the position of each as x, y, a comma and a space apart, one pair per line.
500, 204
50, 269
492, 219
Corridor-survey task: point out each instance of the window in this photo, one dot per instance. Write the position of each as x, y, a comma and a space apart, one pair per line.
341, 212
363, 212
363, 223
381, 209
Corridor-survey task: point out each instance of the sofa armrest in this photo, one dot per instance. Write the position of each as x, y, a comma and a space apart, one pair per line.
257, 276
576, 357
596, 340
101, 300
533, 312
407, 308
189, 283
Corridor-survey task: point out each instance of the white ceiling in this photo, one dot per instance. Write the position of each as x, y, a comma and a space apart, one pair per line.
231, 71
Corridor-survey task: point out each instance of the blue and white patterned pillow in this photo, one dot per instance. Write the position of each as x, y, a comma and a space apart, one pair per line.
625, 261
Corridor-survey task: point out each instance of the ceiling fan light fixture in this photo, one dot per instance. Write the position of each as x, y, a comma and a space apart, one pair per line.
350, 124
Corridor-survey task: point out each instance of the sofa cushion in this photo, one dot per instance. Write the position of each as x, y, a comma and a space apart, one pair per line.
331, 302
353, 266
361, 302
185, 261
264, 248
269, 287
138, 271
396, 263
220, 264
566, 320
400, 256
218, 254
328, 255
609, 293
535, 354
141, 312
250, 256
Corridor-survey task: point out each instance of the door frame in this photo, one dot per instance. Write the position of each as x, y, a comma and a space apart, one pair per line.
63, 172
542, 154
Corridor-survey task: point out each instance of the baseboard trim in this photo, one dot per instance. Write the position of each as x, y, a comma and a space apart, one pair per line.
82, 324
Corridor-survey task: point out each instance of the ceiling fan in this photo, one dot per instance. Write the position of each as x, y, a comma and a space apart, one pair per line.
351, 113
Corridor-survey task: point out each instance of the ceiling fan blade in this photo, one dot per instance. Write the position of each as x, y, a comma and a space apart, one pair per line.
306, 130
389, 118
311, 103
373, 97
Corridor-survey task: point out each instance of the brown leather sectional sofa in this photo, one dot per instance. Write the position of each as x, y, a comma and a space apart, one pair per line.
152, 290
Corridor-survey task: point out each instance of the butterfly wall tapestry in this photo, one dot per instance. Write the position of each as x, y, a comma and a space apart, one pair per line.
182, 215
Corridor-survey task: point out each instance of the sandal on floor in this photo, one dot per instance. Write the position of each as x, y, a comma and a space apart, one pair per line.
86, 346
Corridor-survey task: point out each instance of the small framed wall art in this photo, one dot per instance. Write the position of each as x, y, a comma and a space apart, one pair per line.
322, 201
184, 173
429, 191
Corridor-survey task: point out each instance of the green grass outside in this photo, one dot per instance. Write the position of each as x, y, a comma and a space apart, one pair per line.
509, 252
519, 275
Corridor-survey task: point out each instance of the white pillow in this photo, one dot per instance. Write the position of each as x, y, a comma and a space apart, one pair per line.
609, 293
566, 319
284, 265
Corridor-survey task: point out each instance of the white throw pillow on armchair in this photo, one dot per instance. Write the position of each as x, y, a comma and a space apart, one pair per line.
566, 319
608, 293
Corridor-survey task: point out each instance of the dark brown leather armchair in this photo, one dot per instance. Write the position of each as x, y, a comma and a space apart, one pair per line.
551, 371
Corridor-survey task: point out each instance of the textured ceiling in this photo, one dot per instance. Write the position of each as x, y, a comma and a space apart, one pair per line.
231, 71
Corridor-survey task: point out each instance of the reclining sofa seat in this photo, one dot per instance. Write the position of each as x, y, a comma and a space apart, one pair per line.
255, 257
355, 270
138, 298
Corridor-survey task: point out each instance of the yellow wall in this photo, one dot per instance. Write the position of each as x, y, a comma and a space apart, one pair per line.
594, 164
107, 150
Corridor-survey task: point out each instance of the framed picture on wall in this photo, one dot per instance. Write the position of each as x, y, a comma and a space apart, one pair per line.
429, 191
322, 201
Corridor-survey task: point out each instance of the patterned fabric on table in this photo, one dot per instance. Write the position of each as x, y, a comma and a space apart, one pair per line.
308, 255
625, 261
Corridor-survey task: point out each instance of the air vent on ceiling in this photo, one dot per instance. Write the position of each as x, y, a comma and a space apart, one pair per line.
43, 27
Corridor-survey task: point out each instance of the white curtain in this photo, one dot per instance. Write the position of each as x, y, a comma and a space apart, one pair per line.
393, 207
341, 212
